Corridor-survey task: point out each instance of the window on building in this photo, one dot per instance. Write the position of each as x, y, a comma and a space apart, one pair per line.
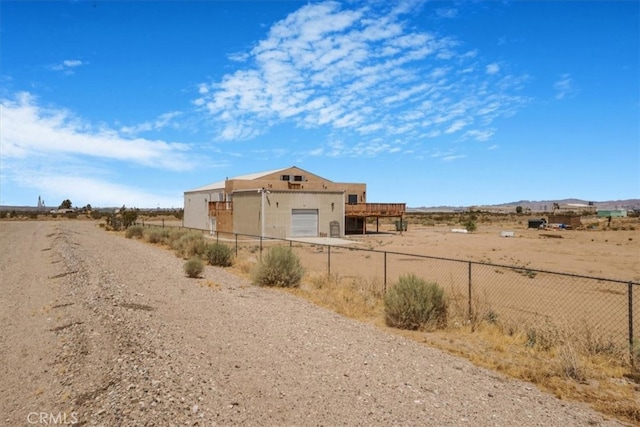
285, 177
298, 177
352, 199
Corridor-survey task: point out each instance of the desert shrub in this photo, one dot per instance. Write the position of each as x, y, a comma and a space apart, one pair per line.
414, 303
470, 225
189, 244
96, 214
279, 267
193, 267
543, 336
135, 231
157, 235
218, 254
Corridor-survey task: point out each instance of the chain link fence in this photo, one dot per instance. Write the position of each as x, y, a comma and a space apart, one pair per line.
604, 311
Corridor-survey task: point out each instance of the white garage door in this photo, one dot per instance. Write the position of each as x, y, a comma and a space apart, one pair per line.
304, 223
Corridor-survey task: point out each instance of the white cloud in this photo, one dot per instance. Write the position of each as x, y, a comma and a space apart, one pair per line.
364, 71
238, 56
447, 12
72, 63
479, 135
53, 152
82, 190
163, 121
29, 129
493, 68
564, 87
456, 126
67, 66
453, 157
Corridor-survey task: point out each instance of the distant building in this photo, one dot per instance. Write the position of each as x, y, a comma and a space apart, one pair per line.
614, 213
576, 208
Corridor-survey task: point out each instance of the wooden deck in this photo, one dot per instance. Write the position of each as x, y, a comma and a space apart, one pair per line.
359, 210
362, 210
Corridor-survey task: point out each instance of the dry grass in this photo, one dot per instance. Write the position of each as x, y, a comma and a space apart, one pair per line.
572, 362
352, 297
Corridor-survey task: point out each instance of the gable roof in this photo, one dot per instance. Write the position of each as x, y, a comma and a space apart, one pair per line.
220, 184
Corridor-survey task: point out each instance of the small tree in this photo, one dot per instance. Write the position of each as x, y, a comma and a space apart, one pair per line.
129, 216
66, 204
518, 209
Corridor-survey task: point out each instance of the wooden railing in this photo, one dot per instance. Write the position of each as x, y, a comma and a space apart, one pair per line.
375, 209
359, 209
215, 207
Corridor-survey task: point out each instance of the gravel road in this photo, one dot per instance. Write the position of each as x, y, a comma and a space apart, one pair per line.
101, 330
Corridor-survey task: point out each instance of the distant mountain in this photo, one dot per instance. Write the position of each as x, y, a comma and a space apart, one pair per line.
536, 205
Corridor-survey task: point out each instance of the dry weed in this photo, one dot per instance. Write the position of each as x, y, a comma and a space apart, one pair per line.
352, 297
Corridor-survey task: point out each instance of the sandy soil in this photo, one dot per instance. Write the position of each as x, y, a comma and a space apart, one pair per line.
600, 253
101, 330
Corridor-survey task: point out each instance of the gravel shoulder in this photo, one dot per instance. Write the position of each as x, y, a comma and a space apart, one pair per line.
108, 331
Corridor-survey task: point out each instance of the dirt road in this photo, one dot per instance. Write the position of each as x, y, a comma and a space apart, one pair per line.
101, 330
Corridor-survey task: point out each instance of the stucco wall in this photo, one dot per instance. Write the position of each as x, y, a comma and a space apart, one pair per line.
278, 207
196, 208
246, 212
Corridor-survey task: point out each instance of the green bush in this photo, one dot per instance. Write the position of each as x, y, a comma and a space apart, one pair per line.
218, 254
136, 231
193, 268
415, 304
470, 225
279, 267
189, 244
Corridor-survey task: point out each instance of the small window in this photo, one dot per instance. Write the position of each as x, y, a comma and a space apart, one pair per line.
298, 177
353, 199
285, 177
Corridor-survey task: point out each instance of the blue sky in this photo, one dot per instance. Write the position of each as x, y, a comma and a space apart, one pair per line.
428, 103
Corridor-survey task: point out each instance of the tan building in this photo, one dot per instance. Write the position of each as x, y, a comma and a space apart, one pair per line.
289, 202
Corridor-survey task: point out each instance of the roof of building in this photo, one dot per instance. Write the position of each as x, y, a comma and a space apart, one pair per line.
221, 184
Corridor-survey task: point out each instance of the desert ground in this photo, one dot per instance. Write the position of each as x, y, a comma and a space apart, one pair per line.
525, 294
610, 252
102, 330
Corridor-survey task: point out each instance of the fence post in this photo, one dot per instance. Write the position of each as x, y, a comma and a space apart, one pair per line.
470, 306
217, 236
260, 247
236, 245
329, 260
630, 294
162, 222
384, 290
